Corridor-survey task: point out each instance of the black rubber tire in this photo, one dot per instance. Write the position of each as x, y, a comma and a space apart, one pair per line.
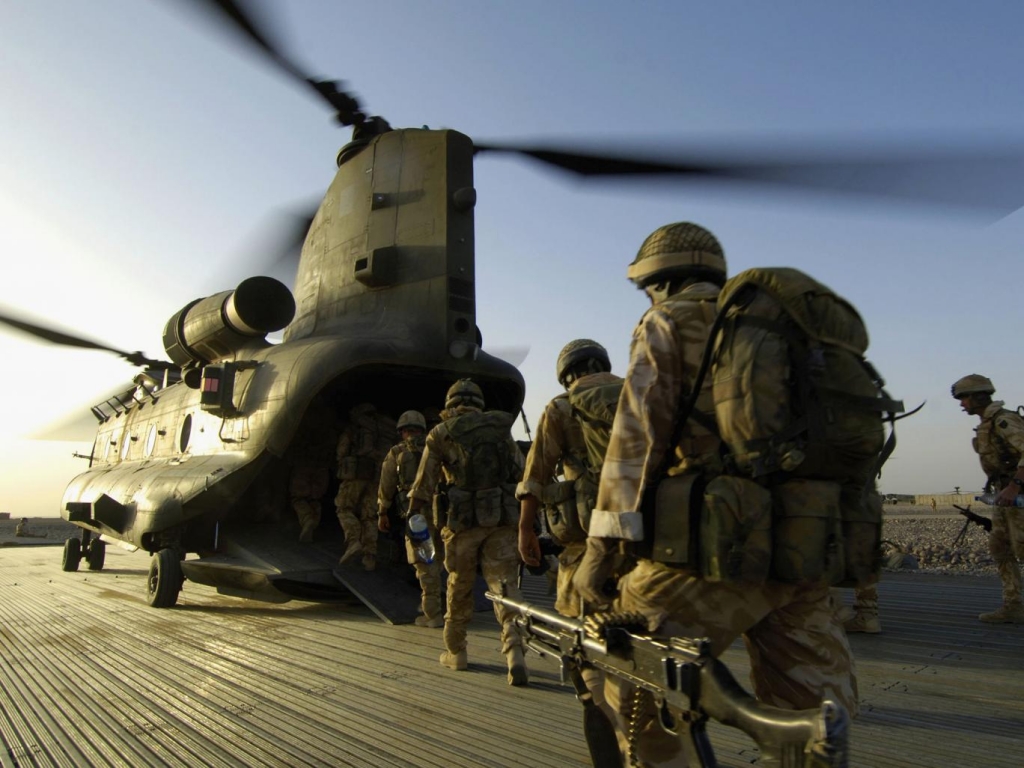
96, 555
72, 555
165, 578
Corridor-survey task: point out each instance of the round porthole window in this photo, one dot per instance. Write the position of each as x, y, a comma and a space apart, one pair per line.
185, 433
150, 441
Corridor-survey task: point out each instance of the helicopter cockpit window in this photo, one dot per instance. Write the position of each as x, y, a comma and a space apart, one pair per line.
185, 433
150, 441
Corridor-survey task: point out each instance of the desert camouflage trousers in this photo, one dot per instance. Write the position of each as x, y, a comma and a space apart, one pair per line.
567, 599
865, 599
799, 654
356, 503
306, 486
429, 576
1006, 543
495, 550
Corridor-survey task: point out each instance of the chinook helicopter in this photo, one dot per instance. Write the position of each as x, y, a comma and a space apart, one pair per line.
193, 457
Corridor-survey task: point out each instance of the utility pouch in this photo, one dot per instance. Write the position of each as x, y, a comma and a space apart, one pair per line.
461, 512
676, 508
807, 532
488, 507
560, 512
736, 531
861, 511
356, 468
586, 500
439, 505
509, 504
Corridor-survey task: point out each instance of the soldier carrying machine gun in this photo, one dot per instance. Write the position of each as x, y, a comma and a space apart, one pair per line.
684, 677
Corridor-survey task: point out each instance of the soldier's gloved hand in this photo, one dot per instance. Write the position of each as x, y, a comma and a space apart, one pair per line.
596, 567
529, 547
383, 523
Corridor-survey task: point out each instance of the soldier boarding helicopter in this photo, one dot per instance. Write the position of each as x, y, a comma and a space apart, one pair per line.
193, 457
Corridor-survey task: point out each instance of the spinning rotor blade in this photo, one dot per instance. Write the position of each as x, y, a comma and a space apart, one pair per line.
985, 180
68, 340
344, 104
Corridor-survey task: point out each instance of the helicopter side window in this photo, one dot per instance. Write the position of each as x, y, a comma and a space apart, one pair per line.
185, 433
150, 441
126, 444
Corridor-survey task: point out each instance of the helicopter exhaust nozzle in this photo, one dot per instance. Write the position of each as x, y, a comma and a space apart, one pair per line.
258, 306
211, 329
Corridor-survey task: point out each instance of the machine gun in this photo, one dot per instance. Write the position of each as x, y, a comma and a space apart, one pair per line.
972, 517
683, 677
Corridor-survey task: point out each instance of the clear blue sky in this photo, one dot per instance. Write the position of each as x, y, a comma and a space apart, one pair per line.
145, 152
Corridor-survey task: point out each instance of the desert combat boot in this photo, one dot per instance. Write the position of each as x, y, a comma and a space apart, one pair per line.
457, 661
517, 672
863, 621
1009, 613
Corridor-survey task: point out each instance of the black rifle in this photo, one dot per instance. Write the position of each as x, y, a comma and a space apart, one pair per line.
972, 517
682, 676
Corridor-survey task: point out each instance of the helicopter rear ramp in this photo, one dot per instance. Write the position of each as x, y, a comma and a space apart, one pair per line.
265, 562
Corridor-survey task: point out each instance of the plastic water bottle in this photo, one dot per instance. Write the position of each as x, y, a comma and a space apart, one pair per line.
990, 498
419, 535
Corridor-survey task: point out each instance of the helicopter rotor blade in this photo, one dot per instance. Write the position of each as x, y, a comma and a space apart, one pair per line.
62, 338
345, 105
984, 180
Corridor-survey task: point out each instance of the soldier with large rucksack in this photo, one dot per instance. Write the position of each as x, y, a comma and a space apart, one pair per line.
481, 464
735, 488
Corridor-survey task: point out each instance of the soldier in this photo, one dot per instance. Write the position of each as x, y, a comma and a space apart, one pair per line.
482, 464
799, 653
999, 442
560, 441
311, 461
363, 444
396, 478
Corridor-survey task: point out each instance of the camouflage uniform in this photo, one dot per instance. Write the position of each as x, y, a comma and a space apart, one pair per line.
799, 652
494, 548
559, 438
363, 444
396, 477
310, 472
999, 442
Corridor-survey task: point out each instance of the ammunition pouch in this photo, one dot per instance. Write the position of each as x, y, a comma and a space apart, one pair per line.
861, 512
586, 499
807, 532
461, 510
676, 509
736, 531
487, 504
356, 468
509, 504
561, 512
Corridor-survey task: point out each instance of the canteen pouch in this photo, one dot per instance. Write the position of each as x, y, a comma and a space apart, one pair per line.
356, 468
560, 512
861, 511
807, 532
461, 510
509, 505
676, 509
487, 504
736, 531
586, 500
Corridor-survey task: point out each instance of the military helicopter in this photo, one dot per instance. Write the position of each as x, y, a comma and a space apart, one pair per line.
193, 457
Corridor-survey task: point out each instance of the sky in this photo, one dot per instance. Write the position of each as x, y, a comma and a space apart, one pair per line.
147, 154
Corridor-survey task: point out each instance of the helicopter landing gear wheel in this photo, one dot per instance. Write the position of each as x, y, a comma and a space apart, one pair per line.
165, 579
72, 555
96, 555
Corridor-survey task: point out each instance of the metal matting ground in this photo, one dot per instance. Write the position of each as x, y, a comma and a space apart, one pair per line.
91, 675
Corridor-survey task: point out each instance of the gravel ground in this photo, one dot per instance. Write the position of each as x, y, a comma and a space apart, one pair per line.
929, 537
43, 530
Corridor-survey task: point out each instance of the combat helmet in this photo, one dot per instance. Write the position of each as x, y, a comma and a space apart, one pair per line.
412, 419
675, 249
464, 392
973, 384
578, 351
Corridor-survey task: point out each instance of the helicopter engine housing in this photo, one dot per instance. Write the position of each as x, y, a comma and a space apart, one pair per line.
211, 329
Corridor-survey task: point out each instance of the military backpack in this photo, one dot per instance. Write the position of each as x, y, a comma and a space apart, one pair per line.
484, 476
